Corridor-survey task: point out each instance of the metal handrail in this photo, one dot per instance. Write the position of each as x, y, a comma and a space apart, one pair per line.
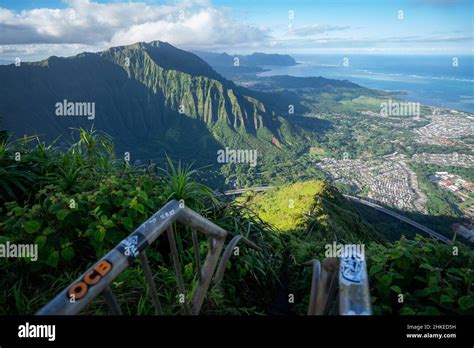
354, 294
351, 273
227, 254
323, 285
314, 287
96, 280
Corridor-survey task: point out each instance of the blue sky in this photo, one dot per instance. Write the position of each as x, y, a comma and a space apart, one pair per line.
38, 28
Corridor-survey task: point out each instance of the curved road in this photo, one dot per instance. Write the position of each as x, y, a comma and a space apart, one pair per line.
240, 191
415, 224
411, 222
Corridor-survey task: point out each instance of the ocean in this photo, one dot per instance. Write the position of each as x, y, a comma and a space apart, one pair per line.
429, 80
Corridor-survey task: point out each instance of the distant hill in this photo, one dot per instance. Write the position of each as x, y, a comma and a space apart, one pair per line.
252, 60
293, 82
155, 99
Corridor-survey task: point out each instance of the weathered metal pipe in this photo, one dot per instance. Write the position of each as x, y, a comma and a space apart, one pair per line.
83, 290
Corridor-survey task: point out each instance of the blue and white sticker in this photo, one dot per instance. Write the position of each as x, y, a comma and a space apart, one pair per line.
132, 245
351, 269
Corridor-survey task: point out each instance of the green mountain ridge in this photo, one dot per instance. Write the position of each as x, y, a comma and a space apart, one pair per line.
153, 99
148, 97
254, 60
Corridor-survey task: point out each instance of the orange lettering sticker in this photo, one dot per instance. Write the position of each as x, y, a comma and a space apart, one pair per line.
81, 288
92, 277
78, 290
103, 268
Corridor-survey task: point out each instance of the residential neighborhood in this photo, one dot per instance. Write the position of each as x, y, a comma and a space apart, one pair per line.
445, 159
388, 181
446, 128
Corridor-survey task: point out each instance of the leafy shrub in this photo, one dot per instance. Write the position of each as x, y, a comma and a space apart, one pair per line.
432, 278
79, 202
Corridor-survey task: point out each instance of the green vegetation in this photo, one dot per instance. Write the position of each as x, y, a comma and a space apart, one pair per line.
433, 277
275, 169
440, 202
78, 203
363, 103
313, 207
286, 207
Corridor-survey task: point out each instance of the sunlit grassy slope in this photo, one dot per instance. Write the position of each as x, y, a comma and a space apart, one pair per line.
312, 206
286, 207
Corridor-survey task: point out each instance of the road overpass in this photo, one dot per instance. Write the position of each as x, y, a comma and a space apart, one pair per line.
415, 224
243, 190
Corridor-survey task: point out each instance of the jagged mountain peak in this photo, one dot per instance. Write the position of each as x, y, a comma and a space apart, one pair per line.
167, 57
146, 95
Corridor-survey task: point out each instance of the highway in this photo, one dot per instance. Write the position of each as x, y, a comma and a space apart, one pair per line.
415, 224
240, 191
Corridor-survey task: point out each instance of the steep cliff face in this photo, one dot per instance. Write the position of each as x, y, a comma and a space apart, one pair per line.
145, 93
187, 84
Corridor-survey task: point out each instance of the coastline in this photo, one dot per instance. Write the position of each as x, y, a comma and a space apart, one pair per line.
443, 91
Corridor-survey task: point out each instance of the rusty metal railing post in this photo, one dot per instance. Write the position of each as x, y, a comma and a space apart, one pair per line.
329, 277
197, 254
314, 287
177, 267
207, 271
151, 283
327, 285
111, 301
211, 244
354, 295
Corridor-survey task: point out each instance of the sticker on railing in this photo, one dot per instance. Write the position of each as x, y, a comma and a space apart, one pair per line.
351, 269
80, 289
132, 246
167, 214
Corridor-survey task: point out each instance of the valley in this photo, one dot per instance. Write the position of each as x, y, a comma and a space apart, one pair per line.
265, 171
160, 112
296, 128
382, 157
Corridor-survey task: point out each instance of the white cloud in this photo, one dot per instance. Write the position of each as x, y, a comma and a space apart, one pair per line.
206, 28
310, 30
85, 25
88, 24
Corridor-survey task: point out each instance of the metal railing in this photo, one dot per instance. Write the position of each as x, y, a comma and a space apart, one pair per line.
353, 292
349, 272
98, 278
227, 254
